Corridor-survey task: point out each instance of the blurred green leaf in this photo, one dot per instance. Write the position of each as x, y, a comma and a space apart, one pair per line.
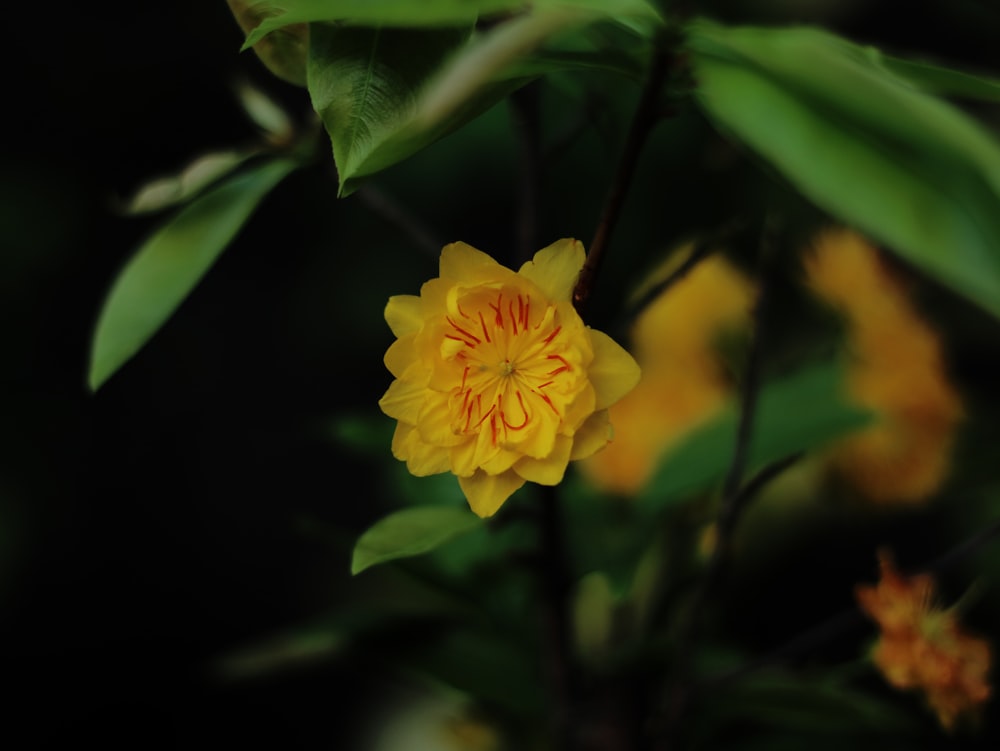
796, 413
910, 170
283, 52
277, 14
553, 61
266, 113
483, 664
367, 433
411, 532
811, 704
168, 265
166, 192
937, 79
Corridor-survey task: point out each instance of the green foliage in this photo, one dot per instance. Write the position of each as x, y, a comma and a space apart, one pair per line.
411, 532
171, 262
936, 79
277, 14
385, 93
796, 413
572, 605
906, 168
364, 84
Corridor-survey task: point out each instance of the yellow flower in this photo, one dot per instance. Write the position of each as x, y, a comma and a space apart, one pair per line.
497, 379
683, 382
896, 368
923, 647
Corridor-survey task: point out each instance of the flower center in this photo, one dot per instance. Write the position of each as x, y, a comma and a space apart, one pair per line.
512, 365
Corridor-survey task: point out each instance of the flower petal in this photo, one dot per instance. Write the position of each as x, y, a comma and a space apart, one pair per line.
592, 436
487, 493
434, 421
549, 470
461, 262
401, 357
614, 372
421, 458
403, 400
404, 315
556, 268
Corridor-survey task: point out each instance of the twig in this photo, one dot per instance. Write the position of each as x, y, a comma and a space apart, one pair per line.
524, 108
734, 498
557, 634
963, 550
390, 210
647, 114
703, 248
847, 620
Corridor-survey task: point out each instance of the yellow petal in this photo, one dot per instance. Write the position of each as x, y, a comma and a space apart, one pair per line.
421, 458
614, 372
592, 436
403, 400
487, 493
402, 357
403, 314
503, 461
556, 268
434, 420
463, 263
550, 470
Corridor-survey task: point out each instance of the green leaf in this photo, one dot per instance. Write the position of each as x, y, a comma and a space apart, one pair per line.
364, 84
277, 14
910, 170
172, 190
813, 704
284, 52
796, 413
168, 265
642, 17
411, 532
386, 93
937, 79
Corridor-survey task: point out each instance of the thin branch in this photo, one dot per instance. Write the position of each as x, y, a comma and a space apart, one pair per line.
733, 501
963, 550
839, 625
524, 109
395, 214
557, 634
823, 633
647, 115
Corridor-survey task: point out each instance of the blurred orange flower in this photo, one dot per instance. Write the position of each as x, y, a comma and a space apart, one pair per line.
923, 647
683, 380
896, 368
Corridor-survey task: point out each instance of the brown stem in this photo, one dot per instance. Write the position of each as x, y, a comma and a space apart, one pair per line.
733, 501
647, 114
555, 580
524, 105
389, 209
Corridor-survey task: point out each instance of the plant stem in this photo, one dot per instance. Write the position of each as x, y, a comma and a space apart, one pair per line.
647, 114
389, 209
555, 581
524, 106
847, 620
734, 498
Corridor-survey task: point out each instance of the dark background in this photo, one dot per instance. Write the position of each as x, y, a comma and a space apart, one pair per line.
148, 530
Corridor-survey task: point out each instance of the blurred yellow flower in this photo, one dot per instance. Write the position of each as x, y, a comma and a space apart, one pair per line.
923, 647
683, 380
497, 379
896, 368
